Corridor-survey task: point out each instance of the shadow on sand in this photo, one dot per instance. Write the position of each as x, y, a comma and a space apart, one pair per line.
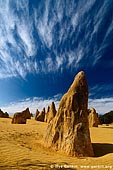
101, 149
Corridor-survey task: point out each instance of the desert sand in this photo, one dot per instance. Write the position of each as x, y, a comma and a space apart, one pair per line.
21, 147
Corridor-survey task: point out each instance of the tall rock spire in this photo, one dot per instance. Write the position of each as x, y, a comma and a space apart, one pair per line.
68, 132
51, 113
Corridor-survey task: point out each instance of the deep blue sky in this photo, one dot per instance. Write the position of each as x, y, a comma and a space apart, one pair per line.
44, 44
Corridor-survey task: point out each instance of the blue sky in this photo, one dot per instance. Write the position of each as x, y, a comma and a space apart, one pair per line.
45, 43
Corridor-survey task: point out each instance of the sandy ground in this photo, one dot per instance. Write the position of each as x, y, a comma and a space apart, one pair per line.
20, 148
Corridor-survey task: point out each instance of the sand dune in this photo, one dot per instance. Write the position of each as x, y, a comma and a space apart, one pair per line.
21, 148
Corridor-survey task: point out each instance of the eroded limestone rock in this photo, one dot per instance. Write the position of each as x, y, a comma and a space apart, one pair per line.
93, 118
4, 115
68, 132
21, 117
40, 116
51, 112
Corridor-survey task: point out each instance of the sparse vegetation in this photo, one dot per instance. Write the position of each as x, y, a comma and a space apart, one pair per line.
107, 118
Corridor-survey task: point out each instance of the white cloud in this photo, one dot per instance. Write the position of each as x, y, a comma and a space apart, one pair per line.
32, 103
79, 54
49, 63
71, 58
75, 20
59, 6
45, 26
18, 52
102, 105
18, 41
59, 61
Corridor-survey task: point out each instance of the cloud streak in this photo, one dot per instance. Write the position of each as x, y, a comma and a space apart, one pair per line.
33, 104
102, 105
52, 36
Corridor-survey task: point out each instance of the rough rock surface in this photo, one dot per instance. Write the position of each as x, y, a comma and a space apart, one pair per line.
21, 117
36, 114
93, 118
51, 112
40, 116
4, 115
68, 132
46, 114
28, 114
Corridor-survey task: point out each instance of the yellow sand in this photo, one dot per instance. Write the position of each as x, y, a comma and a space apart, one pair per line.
20, 148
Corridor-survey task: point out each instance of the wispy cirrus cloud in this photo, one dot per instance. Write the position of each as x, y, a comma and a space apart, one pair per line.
101, 90
17, 43
52, 36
